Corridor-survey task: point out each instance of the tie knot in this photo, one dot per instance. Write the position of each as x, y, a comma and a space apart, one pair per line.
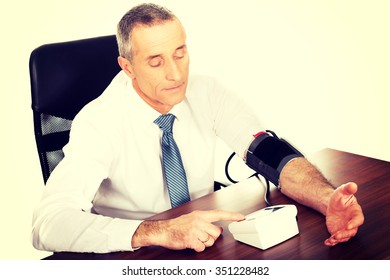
165, 122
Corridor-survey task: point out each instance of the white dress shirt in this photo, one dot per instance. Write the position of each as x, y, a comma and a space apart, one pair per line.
111, 177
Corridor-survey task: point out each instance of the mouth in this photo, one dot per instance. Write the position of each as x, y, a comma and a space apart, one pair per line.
174, 88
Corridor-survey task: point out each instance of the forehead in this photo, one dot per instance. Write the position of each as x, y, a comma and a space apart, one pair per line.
157, 39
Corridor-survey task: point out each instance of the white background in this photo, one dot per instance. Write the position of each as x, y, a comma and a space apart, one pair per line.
316, 72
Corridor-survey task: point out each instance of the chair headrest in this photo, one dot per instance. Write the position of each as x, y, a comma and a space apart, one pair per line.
66, 76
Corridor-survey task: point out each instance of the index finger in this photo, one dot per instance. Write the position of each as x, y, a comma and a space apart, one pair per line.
222, 215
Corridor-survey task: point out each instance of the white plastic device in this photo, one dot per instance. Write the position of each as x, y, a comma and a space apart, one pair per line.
267, 227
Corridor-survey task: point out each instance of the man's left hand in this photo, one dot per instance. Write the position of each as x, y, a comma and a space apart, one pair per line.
344, 214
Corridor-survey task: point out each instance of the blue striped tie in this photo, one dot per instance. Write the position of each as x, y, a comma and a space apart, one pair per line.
175, 175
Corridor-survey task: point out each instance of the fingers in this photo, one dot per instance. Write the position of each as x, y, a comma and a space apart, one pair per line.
341, 236
210, 230
198, 246
204, 232
203, 241
332, 241
209, 241
194, 230
207, 236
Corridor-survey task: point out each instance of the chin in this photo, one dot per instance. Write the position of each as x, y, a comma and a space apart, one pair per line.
177, 100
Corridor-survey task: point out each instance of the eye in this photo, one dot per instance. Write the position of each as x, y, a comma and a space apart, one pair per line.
155, 62
180, 53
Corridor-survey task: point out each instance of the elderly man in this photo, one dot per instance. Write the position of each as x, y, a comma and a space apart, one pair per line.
115, 172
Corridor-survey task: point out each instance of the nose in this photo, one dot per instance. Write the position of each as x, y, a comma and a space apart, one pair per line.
173, 72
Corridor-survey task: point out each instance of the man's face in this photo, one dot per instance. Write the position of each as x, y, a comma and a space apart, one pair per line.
160, 64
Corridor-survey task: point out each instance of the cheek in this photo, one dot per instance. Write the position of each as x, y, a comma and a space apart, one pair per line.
184, 66
149, 82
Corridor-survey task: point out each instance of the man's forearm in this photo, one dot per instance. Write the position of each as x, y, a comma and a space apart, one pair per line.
303, 182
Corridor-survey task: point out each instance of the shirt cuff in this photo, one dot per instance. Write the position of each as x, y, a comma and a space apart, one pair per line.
121, 234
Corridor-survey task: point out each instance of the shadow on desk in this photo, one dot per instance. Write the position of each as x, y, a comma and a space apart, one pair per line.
371, 243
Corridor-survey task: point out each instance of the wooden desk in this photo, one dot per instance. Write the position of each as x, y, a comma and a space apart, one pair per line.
371, 242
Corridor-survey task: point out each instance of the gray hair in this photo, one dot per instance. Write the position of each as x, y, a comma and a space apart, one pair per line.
144, 14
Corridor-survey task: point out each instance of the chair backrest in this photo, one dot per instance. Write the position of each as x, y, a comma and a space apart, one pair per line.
64, 78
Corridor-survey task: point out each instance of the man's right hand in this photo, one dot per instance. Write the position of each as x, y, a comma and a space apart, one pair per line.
194, 230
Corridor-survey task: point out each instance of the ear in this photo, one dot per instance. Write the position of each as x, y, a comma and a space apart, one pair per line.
126, 66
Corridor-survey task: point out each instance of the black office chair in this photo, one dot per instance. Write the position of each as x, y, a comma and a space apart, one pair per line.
64, 77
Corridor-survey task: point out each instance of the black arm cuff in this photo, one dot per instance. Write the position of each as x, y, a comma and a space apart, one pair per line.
267, 155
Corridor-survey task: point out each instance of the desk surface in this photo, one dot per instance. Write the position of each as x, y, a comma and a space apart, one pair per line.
371, 242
